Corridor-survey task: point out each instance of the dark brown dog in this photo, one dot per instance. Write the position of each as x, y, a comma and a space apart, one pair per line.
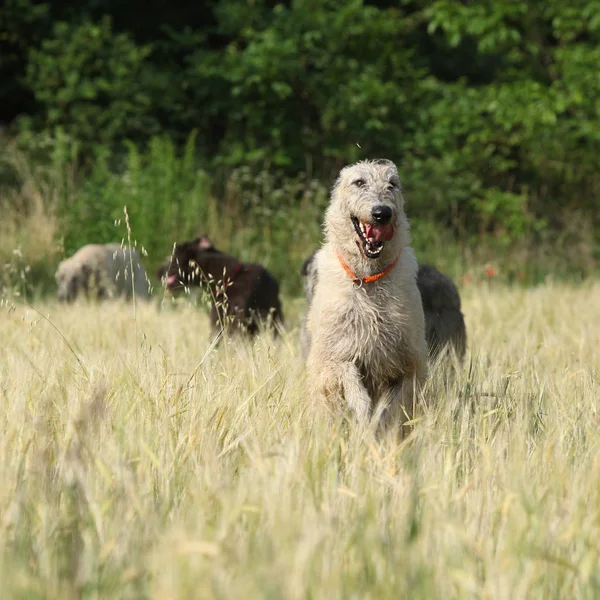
242, 295
444, 321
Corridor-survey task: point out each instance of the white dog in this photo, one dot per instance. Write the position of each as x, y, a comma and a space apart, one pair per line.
366, 320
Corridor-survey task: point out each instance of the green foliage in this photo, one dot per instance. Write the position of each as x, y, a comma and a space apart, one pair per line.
163, 197
164, 194
489, 109
90, 82
531, 133
22, 25
311, 80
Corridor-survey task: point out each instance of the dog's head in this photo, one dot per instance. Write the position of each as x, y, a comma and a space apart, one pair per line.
184, 265
366, 212
72, 278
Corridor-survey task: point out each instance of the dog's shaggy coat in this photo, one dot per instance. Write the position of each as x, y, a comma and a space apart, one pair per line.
102, 271
242, 295
367, 340
444, 322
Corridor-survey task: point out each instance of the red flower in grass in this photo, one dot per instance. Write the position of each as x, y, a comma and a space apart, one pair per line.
491, 272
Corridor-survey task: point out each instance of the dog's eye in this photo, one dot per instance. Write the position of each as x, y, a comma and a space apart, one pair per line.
359, 183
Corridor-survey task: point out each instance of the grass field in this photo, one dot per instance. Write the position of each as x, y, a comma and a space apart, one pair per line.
139, 462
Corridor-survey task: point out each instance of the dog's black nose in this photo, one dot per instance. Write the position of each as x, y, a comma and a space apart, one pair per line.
381, 214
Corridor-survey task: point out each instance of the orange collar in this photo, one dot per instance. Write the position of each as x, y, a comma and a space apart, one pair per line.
361, 280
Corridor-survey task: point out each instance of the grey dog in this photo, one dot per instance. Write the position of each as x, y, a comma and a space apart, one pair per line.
366, 323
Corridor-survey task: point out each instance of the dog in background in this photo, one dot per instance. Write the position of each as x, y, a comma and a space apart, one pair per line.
242, 295
444, 322
101, 271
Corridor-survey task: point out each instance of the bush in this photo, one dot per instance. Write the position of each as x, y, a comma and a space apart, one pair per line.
91, 84
488, 108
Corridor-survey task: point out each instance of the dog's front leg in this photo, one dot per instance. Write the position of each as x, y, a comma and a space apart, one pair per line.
397, 401
338, 384
355, 394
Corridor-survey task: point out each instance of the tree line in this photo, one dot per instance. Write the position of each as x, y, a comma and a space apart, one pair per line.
489, 108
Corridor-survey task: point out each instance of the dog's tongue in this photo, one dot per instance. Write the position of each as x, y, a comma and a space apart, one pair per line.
379, 233
171, 280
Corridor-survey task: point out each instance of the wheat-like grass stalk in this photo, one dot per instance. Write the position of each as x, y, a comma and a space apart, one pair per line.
197, 470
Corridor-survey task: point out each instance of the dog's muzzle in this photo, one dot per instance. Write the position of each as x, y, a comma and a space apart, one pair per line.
374, 235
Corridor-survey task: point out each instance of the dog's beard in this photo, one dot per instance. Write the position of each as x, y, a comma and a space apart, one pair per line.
372, 236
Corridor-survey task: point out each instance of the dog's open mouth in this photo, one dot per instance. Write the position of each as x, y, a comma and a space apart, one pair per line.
373, 236
173, 281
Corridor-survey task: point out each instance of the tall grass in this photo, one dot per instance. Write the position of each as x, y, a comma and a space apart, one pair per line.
51, 207
169, 197
138, 461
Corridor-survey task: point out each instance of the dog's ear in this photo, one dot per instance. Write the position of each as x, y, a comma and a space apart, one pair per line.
204, 243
